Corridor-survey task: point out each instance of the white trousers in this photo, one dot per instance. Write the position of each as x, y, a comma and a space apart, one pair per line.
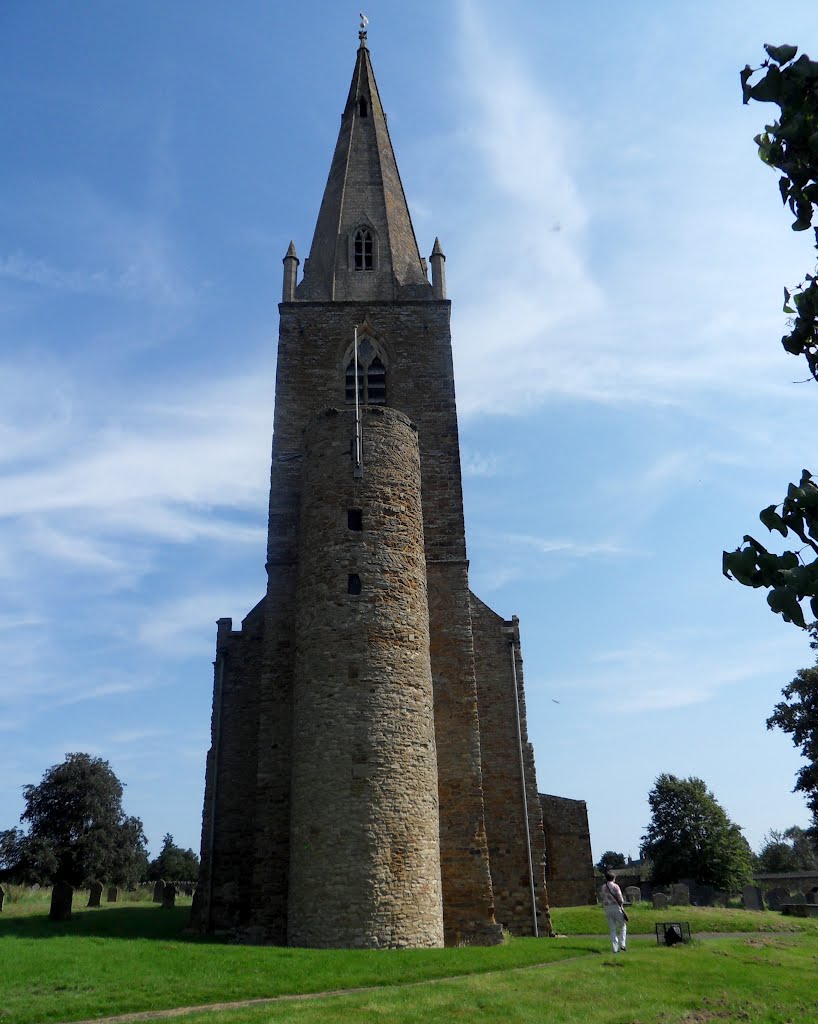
618, 927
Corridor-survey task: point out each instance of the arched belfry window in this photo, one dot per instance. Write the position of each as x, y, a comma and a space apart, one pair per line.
371, 374
363, 250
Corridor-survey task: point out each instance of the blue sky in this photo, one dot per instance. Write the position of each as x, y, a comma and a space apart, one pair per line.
616, 255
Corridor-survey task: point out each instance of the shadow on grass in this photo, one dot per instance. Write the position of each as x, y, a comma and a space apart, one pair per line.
134, 922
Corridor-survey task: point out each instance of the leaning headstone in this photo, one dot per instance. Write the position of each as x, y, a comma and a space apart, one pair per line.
158, 891
62, 896
2, 896
775, 897
633, 894
113, 894
679, 895
659, 901
94, 894
751, 898
798, 897
169, 896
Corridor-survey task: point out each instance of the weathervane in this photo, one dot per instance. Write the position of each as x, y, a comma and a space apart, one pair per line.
364, 23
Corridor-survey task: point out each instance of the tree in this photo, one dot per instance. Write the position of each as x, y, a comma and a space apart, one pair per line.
797, 715
77, 830
691, 836
174, 863
790, 146
791, 850
611, 859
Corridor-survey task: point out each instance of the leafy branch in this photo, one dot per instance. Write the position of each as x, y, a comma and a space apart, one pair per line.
790, 145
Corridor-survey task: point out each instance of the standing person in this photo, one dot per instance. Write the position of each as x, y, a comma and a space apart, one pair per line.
612, 904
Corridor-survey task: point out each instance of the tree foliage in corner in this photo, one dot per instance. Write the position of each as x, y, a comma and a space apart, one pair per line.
691, 836
77, 829
790, 146
797, 715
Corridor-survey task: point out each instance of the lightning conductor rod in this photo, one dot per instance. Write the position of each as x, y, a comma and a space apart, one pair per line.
512, 646
357, 469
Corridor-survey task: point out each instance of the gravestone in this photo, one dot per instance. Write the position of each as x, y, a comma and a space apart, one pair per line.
751, 898
798, 897
702, 895
2, 896
62, 896
94, 894
633, 893
113, 894
775, 897
679, 895
169, 896
812, 896
158, 890
660, 901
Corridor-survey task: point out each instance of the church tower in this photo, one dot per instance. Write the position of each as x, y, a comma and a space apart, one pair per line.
369, 781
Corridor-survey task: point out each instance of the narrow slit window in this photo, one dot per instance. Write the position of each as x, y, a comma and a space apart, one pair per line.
355, 519
353, 584
362, 108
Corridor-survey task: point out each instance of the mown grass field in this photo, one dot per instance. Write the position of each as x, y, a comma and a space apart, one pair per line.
134, 957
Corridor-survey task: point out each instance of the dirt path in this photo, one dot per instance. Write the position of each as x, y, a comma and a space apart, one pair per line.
186, 1011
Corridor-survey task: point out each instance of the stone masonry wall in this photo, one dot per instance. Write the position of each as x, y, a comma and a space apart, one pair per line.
228, 821
502, 787
416, 341
570, 868
365, 868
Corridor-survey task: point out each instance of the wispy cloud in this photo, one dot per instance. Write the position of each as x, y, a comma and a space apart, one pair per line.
659, 317
672, 670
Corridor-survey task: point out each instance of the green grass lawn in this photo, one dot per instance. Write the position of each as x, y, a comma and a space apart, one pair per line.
133, 956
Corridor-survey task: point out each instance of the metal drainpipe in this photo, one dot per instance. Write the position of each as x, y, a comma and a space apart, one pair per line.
217, 736
513, 651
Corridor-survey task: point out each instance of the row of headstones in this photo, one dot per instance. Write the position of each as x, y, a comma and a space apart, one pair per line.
679, 896
62, 897
95, 894
775, 898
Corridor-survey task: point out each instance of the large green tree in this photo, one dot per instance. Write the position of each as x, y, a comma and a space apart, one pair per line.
797, 715
790, 146
610, 859
691, 836
77, 829
173, 863
791, 850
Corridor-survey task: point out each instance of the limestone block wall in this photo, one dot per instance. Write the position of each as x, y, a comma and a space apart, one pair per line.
415, 338
505, 811
365, 864
228, 820
570, 867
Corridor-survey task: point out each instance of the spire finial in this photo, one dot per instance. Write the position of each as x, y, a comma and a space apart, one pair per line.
362, 32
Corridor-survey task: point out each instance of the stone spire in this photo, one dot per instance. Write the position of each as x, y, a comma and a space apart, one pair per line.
364, 245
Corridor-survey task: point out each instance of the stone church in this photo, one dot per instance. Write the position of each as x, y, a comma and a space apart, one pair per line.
370, 782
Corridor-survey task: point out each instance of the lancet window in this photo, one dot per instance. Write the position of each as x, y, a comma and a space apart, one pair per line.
363, 250
371, 375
